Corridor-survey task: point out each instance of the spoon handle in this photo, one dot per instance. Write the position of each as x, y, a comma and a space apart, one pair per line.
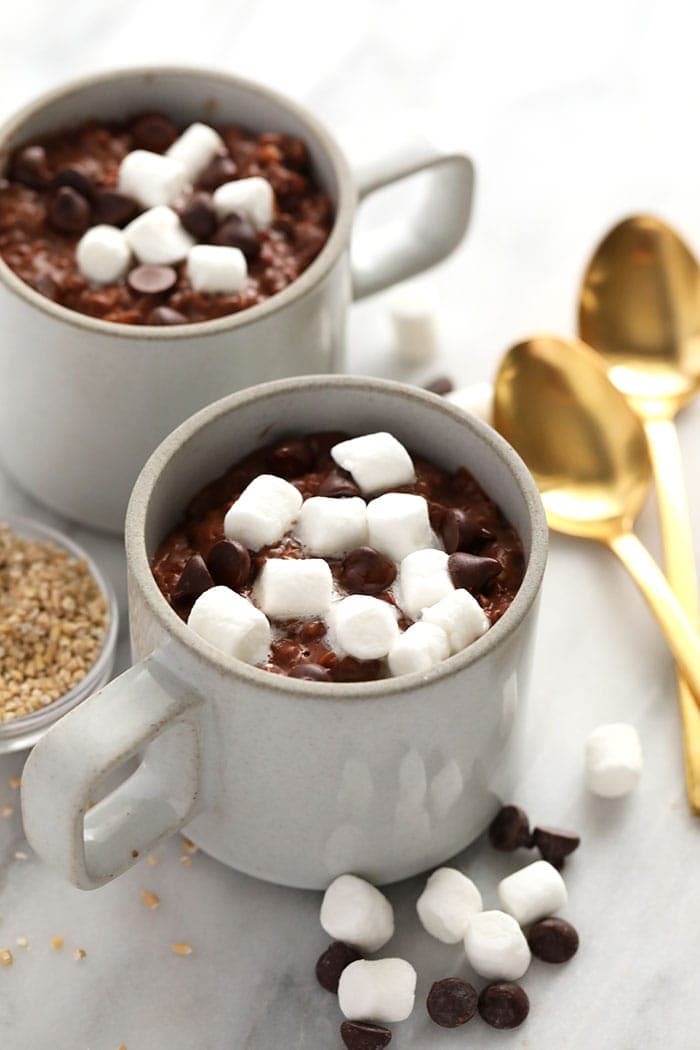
683, 640
679, 559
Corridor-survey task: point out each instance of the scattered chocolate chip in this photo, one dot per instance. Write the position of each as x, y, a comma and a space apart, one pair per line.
351, 670
194, 580
510, 829
359, 1036
312, 673
366, 571
333, 961
30, 167
149, 279
114, 208
76, 180
165, 315
504, 1005
69, 211
555, 844
471, 572
290, 458
217, 172
237, 232
313, 630
553, 940
338, 483
199, 217
452, 1002
228, 562
45, 285
154, 132
440, 385
460, 532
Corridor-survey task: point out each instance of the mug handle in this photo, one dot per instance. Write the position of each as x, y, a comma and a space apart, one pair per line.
143, 708
400, 249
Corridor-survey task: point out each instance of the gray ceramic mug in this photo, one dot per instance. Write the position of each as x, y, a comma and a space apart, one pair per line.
288, 780
100, 396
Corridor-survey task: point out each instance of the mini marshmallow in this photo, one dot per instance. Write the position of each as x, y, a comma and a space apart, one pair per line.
475, 400
447, 905
399, 524
332, 526
216, 268
252, 198
415, 327
263, 512
419, 648
197, 145
534, 892
152, 178
461, 618
382, 991
294, 588
377, 462
423, 580
232, 624
157, 236
364, 627
496, 947
355, 911
103, 254
613, 760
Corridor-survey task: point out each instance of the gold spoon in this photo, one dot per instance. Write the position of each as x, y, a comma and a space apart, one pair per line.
639, 307
586, 449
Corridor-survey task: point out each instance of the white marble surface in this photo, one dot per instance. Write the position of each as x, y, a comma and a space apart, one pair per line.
575, 116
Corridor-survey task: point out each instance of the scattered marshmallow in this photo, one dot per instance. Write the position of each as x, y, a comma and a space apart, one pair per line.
157, 236
232, 624
496, 947
420, 647
613, 760
381, 990
294, 588
533, 892
423, 580
475, 400
252, 198
377, 462
356, 912
364, 627
461, 618
152, 178
263, 512
415, 326
447, 905
216, 268
399, 524
103, 254
332, 526
195, 148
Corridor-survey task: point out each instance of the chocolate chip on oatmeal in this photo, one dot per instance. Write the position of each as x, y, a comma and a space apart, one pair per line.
194, 580
237, 232
366, 571
154, 132
198, 216
553, 940
504, 1004
555, 844
228, 562
460, 531
311, 673
69, 211
290, 458
452, 1002
440, 385
149, 279
359, 1036
165, 315
338, 483
76, 180
217, 172
510, 829
333, 961
471, 572
30, 167
113, 208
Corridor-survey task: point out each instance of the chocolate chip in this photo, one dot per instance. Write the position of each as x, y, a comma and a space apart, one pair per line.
30, 167
471, 572
154, 132
165, 315
237, 232
366, 571
504, 1005
510, 829
351, 670
555, 844
194, 580
76, 180
452, 1002
114, 208
45, 285
359, 1036
553, 940
228, 562
310, 672
69, 212
217, 172
199, 217
440, 385
149, 279
313, 630
338, 483
460, 531
290, 458
333, 961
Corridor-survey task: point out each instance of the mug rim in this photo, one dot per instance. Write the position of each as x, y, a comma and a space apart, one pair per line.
304, 283
139, 565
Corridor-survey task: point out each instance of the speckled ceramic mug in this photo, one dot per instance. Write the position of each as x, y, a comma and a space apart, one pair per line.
289, 780
100, 395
